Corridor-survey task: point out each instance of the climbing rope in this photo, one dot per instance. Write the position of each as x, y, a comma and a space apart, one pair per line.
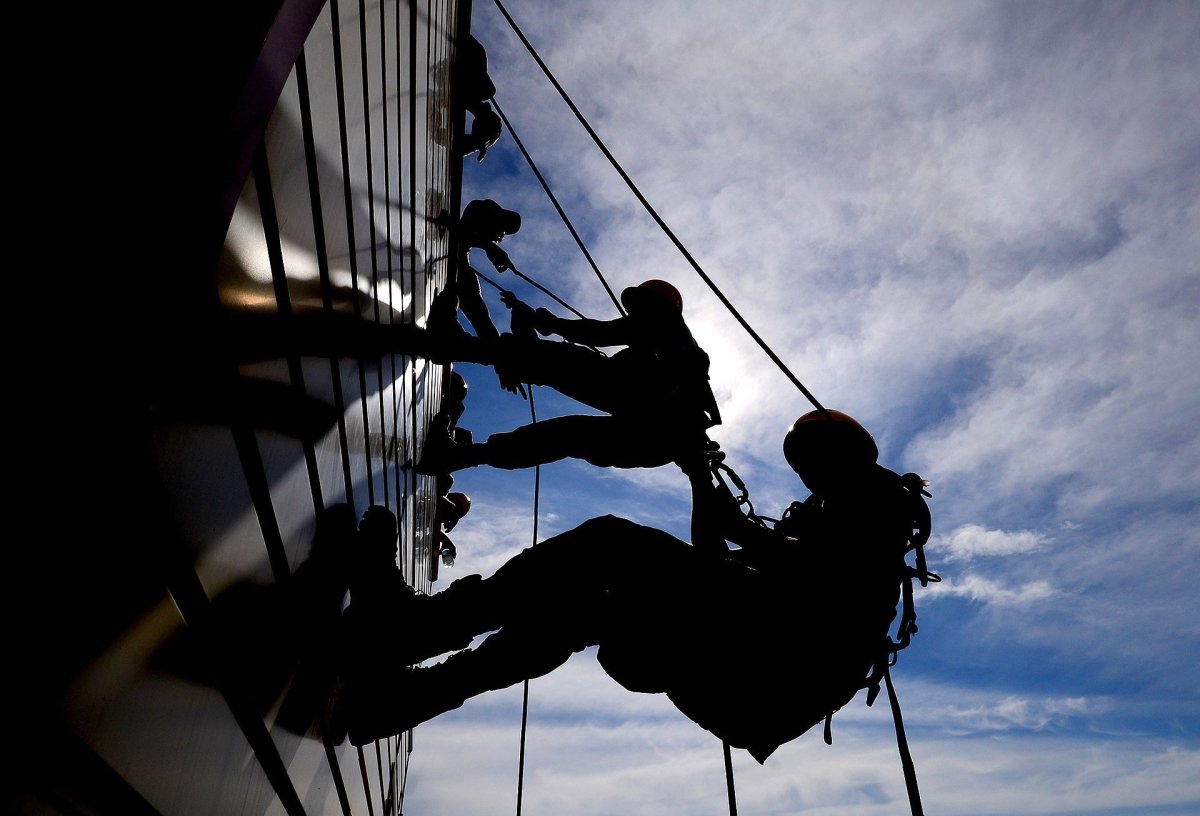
558, 207
546, 292
521, 763
729, 779
491, 282
910, 771
654, 214
537, 493
532, 282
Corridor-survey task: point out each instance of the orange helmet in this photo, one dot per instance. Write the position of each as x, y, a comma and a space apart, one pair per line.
825, 445
453, 507
649, 292
462, 501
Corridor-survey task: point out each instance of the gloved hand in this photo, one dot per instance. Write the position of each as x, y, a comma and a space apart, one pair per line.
510, 384
498, 257
545, 321
522, 316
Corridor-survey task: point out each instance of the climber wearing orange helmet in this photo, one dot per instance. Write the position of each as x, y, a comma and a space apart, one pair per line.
756, 644
655, 390
483, 224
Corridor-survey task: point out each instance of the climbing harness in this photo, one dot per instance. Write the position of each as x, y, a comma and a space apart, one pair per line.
889, 650
717, 466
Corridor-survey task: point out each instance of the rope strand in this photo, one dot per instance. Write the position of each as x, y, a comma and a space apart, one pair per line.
910, 771
654, 214
537, 492
554, 200
546, 292
531, 281
729, 779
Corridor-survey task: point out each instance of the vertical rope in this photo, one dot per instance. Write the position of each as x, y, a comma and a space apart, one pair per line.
729, 779
537, 492
910, 771
521, 763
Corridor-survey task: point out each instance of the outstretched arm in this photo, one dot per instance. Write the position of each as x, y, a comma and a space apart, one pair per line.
618, 332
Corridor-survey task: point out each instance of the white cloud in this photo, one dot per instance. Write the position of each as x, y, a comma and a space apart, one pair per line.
986, 591
1017, 712
973, 541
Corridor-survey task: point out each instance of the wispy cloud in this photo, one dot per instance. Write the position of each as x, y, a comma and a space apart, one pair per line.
1018, 712
985, 590
973, 541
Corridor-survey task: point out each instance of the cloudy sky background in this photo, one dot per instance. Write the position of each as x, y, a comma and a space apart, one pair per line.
974, 227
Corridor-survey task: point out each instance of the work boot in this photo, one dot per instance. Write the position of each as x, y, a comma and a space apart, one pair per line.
410, 697
377, 693
406, 699
442, 452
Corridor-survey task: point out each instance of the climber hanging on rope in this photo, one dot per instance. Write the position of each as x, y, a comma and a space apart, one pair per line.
473, 87
483, 224
756, 645
655, 390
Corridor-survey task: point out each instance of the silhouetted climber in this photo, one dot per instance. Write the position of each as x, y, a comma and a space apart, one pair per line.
375, 584
756, 645
375, 578
486, 128
473, 86
471, 90
451, 508
655, 390
258, 640
482, 225
445, 421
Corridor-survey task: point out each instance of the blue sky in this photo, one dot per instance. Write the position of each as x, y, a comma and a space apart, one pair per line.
974, 226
